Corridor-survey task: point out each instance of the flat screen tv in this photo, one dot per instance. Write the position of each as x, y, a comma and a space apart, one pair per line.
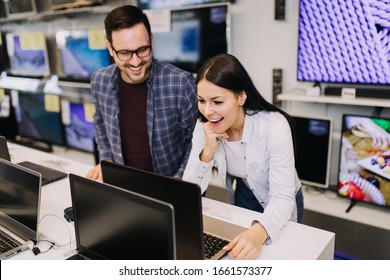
156, 4
344, 41
364, 167
65, 4
79, 130
27, 53
197, 33
313, 149
35, 121
79, 58
19, 8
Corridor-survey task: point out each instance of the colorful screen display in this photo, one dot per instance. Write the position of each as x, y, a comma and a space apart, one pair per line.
344, 41
27, 54
364, 169
80, 57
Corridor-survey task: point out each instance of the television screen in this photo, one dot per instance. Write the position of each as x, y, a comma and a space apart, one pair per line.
344, 41
3, 53
197, 34
79, 55
27, 54
64, 4
364, 168
38, 117
79, 130
154, 4
313, 149
19, 8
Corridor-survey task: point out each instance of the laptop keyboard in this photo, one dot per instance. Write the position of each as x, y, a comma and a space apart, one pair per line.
213, 245
7, 242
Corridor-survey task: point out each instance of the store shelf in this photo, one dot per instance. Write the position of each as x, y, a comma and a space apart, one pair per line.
358, 101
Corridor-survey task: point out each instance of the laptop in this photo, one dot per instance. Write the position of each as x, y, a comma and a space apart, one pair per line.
116, 224
19, 208
49, 175
191, 225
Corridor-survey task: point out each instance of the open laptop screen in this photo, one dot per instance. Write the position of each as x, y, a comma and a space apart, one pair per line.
184, 196
116, 224
19, 197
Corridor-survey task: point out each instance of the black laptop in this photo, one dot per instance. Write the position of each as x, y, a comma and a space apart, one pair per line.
49, 175
116, 224
193, 229
20, 190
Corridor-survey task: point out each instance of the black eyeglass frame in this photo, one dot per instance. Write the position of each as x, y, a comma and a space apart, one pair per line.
132, 52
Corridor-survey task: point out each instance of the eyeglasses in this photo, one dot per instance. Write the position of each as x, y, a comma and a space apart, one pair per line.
128, 54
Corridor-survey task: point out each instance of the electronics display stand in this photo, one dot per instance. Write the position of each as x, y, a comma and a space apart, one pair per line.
35, 144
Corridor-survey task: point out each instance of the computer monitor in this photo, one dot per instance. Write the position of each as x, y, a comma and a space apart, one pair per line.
197, 34
313, 149
79, 129
65, 4
364, 166
27, 53
19, 8
35, 120
79, 55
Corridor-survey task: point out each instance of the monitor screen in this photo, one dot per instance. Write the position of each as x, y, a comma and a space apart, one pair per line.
80, 55
343, 41
364, 167
196, 34
27, 54
3, 53
313, 149
19, 8
37, 118
79, 130
154, 4
19, 197
64, 4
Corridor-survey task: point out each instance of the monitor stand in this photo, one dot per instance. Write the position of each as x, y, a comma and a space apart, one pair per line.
35, 144
352, 204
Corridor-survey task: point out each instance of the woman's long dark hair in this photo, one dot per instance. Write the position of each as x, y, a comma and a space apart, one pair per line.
226, 71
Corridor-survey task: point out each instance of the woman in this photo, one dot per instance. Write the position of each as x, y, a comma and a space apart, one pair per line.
248, 140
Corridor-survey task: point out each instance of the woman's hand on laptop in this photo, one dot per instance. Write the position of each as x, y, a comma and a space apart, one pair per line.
95, 173
247, 245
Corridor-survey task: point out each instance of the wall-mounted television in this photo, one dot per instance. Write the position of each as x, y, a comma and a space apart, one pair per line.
79, 57
19, 8
156, 4
65, 4
343, 41
28, 54
35, 120
79, 130
364, 167
313, 149
197, 33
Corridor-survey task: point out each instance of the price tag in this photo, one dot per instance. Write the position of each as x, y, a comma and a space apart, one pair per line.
96, 39
52, 103
32, 41
65, 112
89, 111
348, 93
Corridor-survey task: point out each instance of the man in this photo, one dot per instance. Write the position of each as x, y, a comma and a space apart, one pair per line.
145, 109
